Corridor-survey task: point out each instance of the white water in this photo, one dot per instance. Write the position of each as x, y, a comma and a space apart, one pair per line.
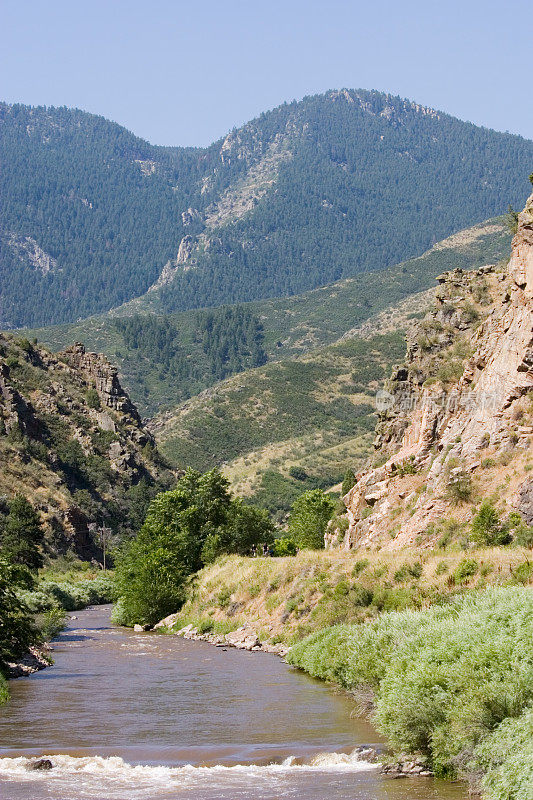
123, 780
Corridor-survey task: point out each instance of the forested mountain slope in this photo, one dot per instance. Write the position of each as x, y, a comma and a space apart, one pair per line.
164, 359
307, 194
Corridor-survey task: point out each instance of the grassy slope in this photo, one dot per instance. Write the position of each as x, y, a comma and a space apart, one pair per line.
288, 598
316, 411
292, 325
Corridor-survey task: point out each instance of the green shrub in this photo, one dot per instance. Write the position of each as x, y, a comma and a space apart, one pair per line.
298, 473
506, 758
224, 597
523, 572
406, 467
415, 570
408, 571
291, 605
451, 682
360, 566
92, 399
459, 487
523, 535
52, 623
465, 569
4, 691
69, 595
487, 528
342, 588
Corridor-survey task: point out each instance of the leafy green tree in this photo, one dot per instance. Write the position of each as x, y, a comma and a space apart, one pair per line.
21, 534
348, 481
487, 528
247, 525
17, 631
309, 517
284, 546
151, 577
152, 573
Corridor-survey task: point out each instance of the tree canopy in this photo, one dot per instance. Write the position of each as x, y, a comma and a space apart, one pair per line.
184, 529
309, 517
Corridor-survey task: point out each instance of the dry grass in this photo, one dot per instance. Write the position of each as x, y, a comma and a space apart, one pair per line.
290, 597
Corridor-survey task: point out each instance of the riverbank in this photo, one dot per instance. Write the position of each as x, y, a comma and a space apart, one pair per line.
445, 668
283, 600
453, 683
242, 638
46, 607
36, 659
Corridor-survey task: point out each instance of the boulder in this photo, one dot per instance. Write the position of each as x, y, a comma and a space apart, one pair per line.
243, 638
167, 622
43, 764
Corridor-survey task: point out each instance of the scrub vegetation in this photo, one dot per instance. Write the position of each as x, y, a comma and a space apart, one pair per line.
453, 682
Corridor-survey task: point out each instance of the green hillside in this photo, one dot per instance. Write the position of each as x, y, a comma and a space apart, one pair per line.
315, 191
166, 362
290, 425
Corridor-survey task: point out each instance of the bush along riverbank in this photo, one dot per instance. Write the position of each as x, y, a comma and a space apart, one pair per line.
451, 683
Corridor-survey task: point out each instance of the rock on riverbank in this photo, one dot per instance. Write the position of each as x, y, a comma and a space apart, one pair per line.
35, 660
243, 638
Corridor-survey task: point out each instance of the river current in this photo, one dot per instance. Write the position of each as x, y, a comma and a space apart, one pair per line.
130, 716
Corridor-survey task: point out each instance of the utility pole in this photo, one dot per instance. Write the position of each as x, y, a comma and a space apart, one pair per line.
104, 535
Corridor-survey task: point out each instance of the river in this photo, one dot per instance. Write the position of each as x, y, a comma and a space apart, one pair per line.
129, 716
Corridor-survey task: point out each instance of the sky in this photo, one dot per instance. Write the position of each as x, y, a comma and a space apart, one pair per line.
185, 72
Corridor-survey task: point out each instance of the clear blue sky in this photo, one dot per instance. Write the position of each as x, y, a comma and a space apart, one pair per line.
186, 72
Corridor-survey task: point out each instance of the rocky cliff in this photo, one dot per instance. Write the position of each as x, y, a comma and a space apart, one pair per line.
72, 442
457, 417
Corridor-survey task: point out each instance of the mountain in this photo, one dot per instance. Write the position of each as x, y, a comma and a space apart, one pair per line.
457, 416
165, 359
306, 417
72, 442
313, 192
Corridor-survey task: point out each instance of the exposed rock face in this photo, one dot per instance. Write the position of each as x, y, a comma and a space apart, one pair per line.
190, 216
98, 370
440, 429
185, 249
29, 251
71, 441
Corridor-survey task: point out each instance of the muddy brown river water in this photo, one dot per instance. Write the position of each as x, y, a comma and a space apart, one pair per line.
129, 716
